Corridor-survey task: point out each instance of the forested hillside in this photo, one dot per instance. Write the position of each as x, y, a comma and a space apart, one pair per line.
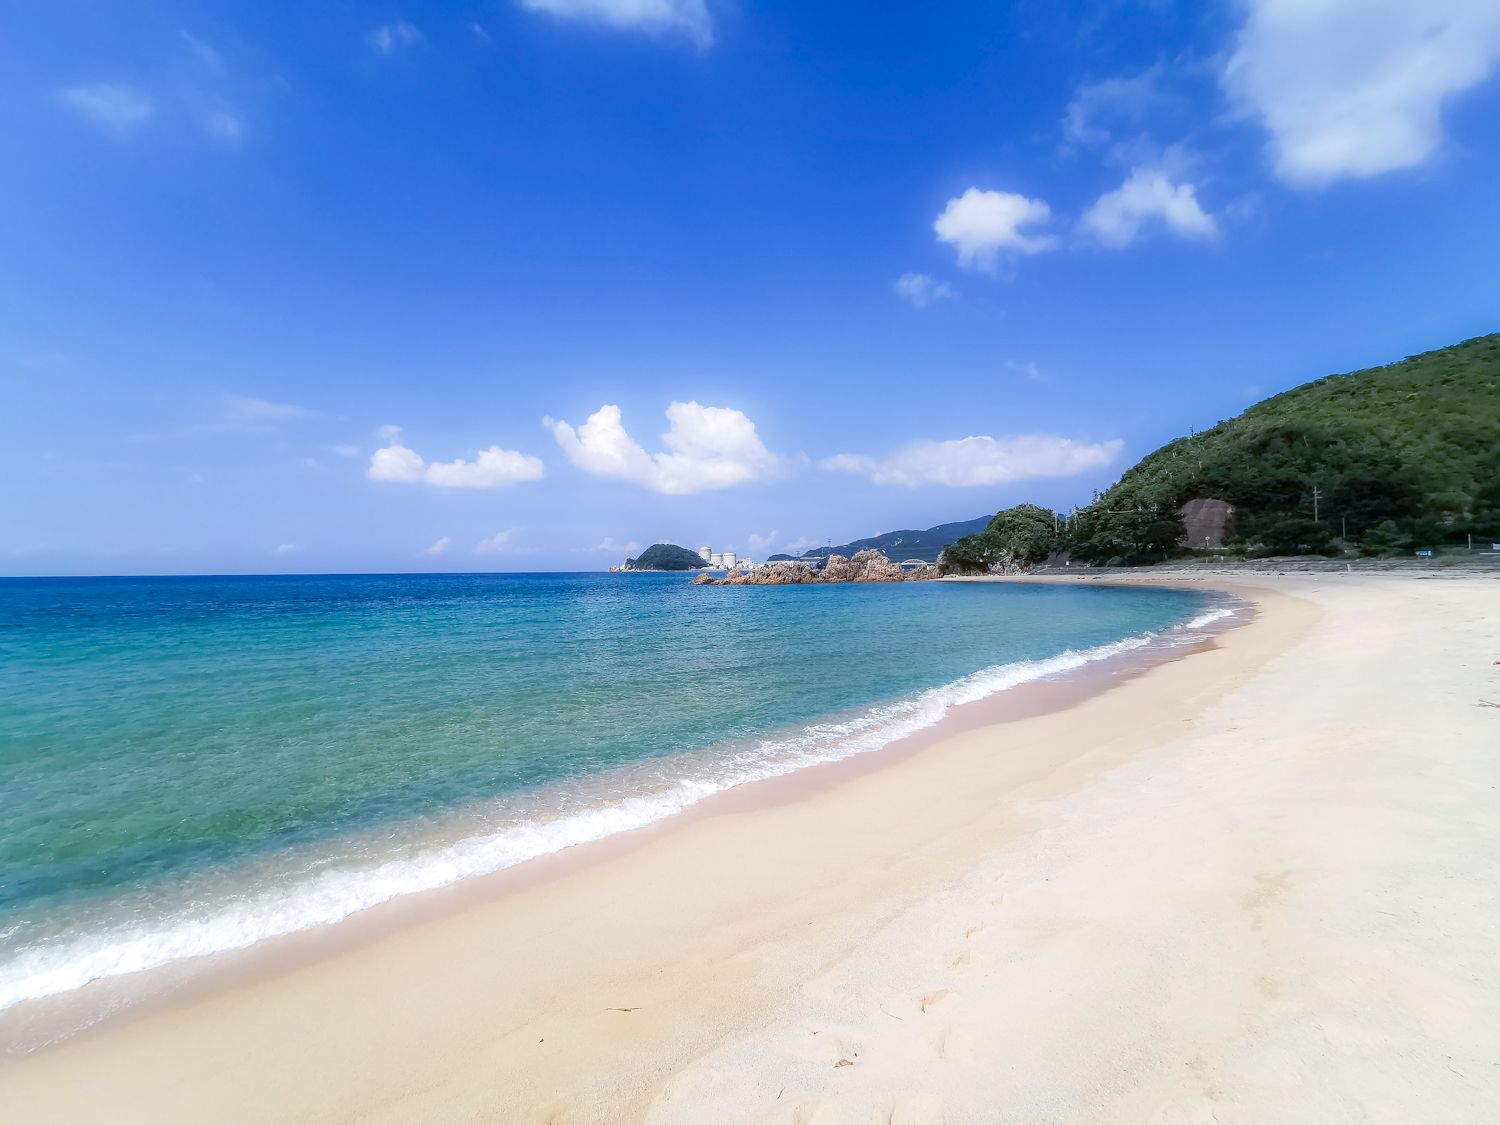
1395, 457
1377, 461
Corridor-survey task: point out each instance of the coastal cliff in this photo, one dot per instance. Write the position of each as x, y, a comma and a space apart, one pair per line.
865, 566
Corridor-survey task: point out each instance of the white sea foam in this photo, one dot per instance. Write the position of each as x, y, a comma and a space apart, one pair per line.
1203, 620
334, 893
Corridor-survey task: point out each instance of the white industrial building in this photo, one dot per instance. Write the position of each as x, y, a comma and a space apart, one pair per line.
724, 560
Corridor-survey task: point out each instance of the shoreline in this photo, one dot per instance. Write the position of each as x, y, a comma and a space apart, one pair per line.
1211, 891
49, 1021
566, 876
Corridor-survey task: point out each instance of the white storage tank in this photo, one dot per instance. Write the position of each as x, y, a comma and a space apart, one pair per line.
728, 559
705, 553
715, 559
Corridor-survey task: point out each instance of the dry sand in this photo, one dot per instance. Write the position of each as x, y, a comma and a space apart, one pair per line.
1258, 884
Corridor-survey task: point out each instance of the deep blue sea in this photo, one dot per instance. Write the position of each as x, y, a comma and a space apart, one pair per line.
189, 765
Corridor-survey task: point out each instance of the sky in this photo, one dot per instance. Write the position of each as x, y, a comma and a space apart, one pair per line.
531, 284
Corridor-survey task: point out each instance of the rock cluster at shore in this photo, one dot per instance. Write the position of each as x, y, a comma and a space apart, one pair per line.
865, 566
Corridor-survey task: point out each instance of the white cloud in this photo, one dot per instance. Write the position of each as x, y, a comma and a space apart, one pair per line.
686, 17
981, 460
1355, 88
395, 463
346, 450
389, 38
982, 225
117, 109
608, 544
708, 447
490, 468
438, 547
761, 542
498, 543
287, 549
1146, 196
259, 410
923, 289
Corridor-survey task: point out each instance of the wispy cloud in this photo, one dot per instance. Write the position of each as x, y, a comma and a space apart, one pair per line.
494, 467
389, 38
250, 409
119, 110
761, 542
708, 447
438, 547
610, 546
683, 17
498, 543
1027, 370
287, 549
982, 460
923, 289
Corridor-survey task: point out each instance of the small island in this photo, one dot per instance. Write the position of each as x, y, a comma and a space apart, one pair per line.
664, 556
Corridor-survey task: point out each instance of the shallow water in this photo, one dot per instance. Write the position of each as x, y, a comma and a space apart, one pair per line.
189, 765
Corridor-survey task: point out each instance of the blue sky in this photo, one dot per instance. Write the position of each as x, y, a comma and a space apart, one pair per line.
514, 285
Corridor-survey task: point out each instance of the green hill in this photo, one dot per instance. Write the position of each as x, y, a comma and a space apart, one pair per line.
1385, 459
666, 556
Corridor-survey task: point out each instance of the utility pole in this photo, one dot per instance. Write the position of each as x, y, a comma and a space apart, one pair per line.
1317, 495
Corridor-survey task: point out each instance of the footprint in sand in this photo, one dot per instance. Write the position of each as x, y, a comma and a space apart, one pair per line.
931, 1000
955, 1044
959, 960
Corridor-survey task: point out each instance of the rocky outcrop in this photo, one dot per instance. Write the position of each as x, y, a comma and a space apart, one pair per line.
866, 566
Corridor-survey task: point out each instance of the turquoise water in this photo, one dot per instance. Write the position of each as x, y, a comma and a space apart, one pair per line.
188, 765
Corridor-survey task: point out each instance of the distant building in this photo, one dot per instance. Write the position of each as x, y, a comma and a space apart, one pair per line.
706, 553
728, 558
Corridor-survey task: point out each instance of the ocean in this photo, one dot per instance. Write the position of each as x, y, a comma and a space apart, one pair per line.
191, 765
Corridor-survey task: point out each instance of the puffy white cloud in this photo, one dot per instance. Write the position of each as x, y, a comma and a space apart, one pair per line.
983, 225
389, 38
686, 17
490, 468
1146, 196
761, 542
438, 547
1355, 88
396, 463
979, 460
117, 109
923, 289
708, 447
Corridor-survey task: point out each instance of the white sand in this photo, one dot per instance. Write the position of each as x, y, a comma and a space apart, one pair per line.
1289, 913
1261, 884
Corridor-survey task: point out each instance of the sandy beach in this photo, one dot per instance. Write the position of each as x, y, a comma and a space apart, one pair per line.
1257, 883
